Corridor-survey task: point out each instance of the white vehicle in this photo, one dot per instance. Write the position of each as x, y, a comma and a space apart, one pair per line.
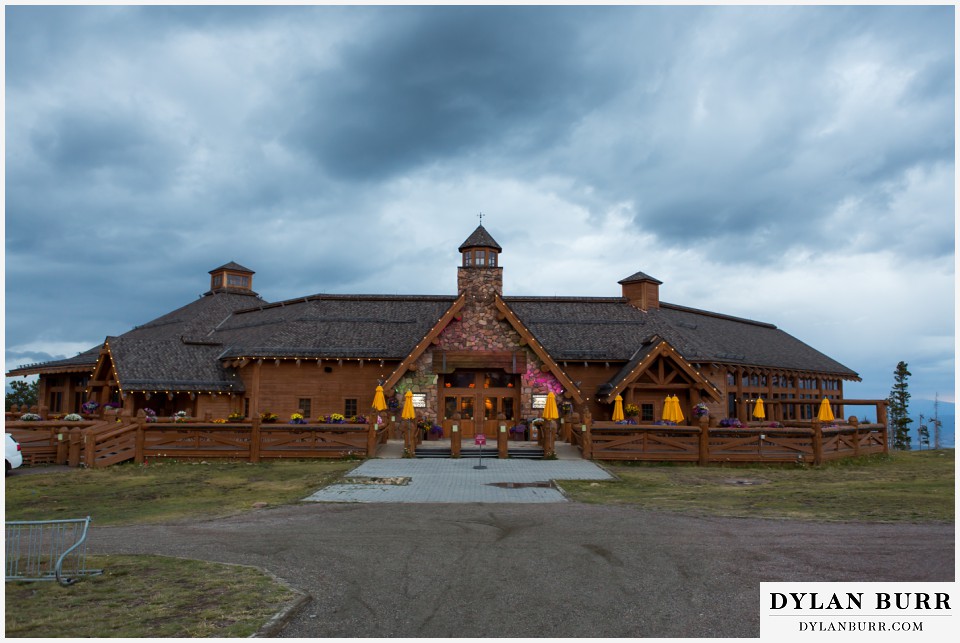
14, 457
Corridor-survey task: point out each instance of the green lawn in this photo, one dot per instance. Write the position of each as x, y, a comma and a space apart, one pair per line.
147, 597
166, 491
913, 486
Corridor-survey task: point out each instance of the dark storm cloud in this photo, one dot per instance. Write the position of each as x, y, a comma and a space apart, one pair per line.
344, 149
430, 84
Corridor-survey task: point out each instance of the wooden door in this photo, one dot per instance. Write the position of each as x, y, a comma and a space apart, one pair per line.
464, 404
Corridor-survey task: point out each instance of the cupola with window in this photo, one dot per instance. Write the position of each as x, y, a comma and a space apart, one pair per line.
232, 278
480, 263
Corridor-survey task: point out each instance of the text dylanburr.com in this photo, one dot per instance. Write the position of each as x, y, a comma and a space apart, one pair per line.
835, 611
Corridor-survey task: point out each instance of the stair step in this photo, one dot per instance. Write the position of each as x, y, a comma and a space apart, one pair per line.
439, 452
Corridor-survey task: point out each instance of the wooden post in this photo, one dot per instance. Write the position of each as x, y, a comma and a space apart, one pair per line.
585, 434
372, 438
255, 438
138, 445
89, 448
817, 443
704, 445
455, 439
502, 437
63, 445
549, 438
73, 457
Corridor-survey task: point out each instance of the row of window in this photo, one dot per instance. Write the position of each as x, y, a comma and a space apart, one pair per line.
782, 381
480, 258
233, 281
470, 379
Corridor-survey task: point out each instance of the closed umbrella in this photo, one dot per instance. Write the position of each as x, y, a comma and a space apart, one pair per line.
379, 403
550, 411
677, 411
617, 409
826, 413
408, 412
668, 414
758, 411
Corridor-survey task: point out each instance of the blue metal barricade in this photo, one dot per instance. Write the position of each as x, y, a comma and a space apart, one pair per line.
47, 550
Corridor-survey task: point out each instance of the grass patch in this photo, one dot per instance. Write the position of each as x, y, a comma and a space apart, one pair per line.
916, 486
166, 491
147, 596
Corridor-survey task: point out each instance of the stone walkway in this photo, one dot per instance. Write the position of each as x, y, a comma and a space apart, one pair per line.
457, 481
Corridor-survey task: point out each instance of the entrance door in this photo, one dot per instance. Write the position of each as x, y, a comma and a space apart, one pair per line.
465, 405
479, 396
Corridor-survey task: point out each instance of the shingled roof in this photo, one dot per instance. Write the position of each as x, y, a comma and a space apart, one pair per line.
610, 329
480, 238
373, 326
234, 266
80, 363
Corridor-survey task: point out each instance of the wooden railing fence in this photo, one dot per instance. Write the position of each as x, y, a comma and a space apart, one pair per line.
103, 443
705, 445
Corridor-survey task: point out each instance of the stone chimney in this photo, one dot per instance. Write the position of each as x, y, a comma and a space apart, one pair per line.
641, 291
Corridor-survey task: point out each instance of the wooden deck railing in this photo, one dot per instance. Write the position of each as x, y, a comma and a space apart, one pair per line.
704, 445
101, 444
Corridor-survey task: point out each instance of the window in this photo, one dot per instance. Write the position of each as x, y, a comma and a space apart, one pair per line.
460, 379
304, 405
467, 258
646, 412
246, 407
479, 255
498, 379
238, 281
507, 407
492, 259
56, 400
731, 379
350, 407
217, 281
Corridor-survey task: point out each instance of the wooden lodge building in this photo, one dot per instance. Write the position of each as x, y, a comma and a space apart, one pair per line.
478, 353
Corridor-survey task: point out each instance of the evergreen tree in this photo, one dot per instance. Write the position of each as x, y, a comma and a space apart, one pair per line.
22, 394
899, 412
923, 433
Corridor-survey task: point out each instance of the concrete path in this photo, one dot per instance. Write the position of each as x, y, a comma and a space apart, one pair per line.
459, 481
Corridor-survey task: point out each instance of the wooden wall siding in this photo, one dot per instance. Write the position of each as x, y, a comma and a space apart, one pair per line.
591, 378
279, 388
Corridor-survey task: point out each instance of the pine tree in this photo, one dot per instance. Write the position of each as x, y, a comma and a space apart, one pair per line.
923, 433
937, 424
899, 408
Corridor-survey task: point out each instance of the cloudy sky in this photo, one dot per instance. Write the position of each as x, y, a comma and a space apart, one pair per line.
788, 164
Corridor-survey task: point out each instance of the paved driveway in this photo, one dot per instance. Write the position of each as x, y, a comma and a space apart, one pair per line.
531, 570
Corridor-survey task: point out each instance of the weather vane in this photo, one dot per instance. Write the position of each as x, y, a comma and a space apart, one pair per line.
481, 218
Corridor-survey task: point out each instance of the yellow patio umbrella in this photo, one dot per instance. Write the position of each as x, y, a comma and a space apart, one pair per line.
408, 412
677, 411
668, 412
379, 403
758, 411
826, 413
617, 409
550, 411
